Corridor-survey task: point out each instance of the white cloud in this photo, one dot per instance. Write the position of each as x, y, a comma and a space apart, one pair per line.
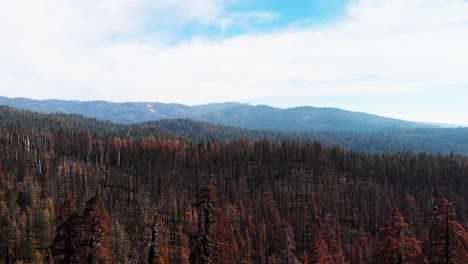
244, 19
259, 15
63, 49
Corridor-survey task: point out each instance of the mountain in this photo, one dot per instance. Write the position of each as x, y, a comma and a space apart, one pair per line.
304, 118
391, 140
124, 113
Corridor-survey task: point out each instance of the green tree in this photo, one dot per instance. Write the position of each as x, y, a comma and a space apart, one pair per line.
7, 235
27, 250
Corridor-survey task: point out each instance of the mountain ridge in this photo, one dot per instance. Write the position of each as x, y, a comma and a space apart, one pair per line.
432, 140
301, 118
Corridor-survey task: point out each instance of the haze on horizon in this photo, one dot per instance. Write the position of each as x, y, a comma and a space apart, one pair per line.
397, 58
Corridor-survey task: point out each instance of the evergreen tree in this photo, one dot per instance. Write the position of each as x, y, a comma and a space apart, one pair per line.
87, 238
99, 230
7, 235
319, 253
395, 244
64, 244
448, 239
211, 245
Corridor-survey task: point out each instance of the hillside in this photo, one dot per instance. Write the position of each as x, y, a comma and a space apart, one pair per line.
391, 140
432, 140
232, 114
74, 189
305, 118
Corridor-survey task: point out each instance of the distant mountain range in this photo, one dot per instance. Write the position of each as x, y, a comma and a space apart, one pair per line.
304, 118
391, 140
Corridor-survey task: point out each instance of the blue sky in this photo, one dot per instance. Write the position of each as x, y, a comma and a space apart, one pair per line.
399, 58
242, 17
265, 16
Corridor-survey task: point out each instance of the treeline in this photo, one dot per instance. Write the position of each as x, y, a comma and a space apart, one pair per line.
70, 196
392, 140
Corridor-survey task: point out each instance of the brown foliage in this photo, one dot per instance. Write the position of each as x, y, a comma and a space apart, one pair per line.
213, 237
448, 239
395, 244
319, 253
86, 238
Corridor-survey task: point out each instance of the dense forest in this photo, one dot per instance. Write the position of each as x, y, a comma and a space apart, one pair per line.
391, 140
77, 190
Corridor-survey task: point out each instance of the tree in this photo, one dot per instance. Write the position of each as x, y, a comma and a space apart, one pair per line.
65, 241
121, 243
448, 240
395, 244
329, 234
87, 238
7, 235
319, 253
27, 250
3, 182
43, 228
183, 253
211, 241
154, 247
98, 225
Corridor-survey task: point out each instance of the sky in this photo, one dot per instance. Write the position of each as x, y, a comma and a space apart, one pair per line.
405, 59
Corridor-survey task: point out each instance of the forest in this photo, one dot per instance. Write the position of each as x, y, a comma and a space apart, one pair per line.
390, 140
78, 190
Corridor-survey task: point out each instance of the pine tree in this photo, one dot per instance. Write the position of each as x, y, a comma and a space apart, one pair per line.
211, 245
334, 244
448, 239
7, 235
99, 230
87, 238
64, 242
319, 253
395, 244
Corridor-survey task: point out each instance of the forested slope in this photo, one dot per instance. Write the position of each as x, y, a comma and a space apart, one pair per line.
103, 193
435, 140
262, 117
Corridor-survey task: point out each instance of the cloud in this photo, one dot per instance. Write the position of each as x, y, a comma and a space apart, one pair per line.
103, 50
258, 15
245, 19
